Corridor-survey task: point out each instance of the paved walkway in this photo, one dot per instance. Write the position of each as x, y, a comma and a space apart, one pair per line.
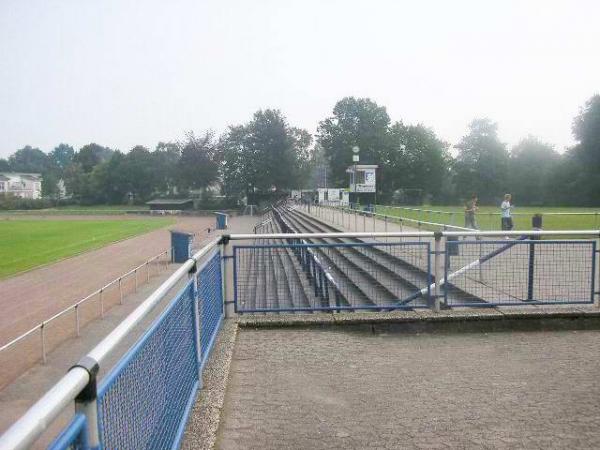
318, 389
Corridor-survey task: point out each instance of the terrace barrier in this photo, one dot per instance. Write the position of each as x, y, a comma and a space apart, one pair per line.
300, 276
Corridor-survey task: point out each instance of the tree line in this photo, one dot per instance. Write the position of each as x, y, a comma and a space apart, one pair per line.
267, 156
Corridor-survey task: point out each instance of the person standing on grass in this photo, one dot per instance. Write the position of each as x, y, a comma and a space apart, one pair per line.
507, 222
470, 210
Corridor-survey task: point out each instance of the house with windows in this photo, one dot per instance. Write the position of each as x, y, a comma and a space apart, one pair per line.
24, 185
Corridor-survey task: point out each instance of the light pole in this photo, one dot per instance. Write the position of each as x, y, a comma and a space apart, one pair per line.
355, 159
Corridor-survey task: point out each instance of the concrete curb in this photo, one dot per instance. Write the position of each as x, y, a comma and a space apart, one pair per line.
203, 424
503, 317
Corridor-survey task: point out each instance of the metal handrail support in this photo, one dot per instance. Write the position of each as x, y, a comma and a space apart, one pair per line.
437, 271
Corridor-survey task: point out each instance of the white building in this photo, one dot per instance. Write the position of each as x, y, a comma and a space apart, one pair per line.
24, 185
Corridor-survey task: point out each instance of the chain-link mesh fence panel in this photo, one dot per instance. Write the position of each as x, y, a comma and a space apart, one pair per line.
143, 401
210, 303
309, 277
517, 272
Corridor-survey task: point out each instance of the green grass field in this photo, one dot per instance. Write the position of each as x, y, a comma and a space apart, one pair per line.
25, 244
488, 217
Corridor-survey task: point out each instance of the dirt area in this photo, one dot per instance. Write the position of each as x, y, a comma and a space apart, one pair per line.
31, 297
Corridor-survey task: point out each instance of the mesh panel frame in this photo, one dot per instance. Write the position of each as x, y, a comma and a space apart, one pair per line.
210, 304
144, 400
519, 272
298, 276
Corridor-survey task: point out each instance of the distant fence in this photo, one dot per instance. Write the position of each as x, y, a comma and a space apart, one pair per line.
489, 220
35, 344
366, 219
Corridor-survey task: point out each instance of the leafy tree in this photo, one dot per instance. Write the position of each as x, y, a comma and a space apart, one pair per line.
275, 148
197, 167
76, 180
138, 173
264, 156
531, 165
110, 181
4, 165
586, 130
360, 122
237, 167
91, 155
62, 155
166, 156
29, 159
482, 163
418, 159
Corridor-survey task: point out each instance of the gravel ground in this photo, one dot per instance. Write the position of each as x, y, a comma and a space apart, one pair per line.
202, 426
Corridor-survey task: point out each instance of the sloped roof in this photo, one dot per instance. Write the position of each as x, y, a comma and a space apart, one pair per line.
166, 201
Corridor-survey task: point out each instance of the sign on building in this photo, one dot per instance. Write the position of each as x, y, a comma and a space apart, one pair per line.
362, 178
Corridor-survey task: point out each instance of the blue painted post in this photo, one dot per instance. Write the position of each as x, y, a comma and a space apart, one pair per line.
536, 224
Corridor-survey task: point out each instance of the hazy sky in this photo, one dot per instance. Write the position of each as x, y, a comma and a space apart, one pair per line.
122, 73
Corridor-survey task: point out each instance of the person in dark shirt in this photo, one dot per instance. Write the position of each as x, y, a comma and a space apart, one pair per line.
470, 211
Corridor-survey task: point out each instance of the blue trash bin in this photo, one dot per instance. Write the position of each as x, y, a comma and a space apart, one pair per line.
181, 246
221, 220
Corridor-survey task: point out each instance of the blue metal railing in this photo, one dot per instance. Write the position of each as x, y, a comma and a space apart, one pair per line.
145, 400
73, 437
210, 305
148, 392
338, 276
520, 272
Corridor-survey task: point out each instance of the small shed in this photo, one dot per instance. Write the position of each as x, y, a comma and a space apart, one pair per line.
166, 204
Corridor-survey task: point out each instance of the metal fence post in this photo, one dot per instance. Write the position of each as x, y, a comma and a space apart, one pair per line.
364, 221
136, 279
228, 307
597, 262
77, 319
385, 224
531, 271
43, 337
436, 270
86, 401
120, 291
101, 303
194, 274
147, 272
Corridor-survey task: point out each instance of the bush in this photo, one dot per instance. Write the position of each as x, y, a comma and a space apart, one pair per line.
9, 202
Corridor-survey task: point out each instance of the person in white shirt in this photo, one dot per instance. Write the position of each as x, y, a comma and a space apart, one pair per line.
507, 222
